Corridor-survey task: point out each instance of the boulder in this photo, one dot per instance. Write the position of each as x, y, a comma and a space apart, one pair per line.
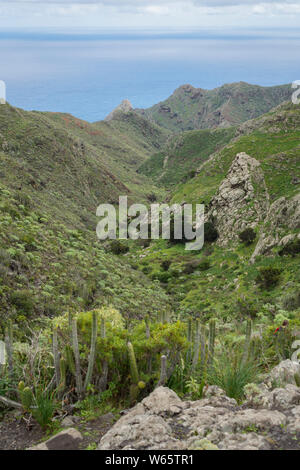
68, 439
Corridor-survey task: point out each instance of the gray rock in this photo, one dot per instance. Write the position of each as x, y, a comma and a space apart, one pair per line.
68, 439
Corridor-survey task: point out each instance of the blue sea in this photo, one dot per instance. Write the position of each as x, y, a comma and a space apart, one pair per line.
88, 74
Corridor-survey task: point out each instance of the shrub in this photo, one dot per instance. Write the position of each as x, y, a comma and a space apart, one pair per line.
202, 264
117, 247
22, 300
268, 277
292, 248
231, 373
165, 264
211, 234
247, 236
291, 302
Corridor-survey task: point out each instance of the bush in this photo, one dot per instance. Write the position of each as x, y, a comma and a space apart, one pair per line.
191, 266
165, 264
211, 234
117, 247
268, 277
291, 302
231, 373
292, 248
23, 301
247, 236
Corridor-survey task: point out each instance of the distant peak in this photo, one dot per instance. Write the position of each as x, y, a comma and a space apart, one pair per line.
125, 106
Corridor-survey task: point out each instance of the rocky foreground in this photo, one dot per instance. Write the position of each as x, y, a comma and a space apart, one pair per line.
268, 419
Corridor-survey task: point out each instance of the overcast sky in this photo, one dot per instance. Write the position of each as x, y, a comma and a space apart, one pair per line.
153, 14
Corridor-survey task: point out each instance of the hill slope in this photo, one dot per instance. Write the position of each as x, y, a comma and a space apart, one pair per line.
252, 183
51, 182
191, 108
180, 158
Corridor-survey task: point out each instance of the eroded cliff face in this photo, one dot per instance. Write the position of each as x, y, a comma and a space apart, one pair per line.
242, 201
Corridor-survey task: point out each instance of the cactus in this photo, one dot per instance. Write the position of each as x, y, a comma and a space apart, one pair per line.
63, 374
132, 362
189, 338
56, 356
78, 376
163, 371
27, 398
103, 378
212, 336
92, 355
70, 359
196, 346
102, 328
147, 323
203, 348
247, 340
9, 346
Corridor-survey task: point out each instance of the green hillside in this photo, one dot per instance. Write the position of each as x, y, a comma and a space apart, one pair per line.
191, 108
51, 181
220, 280
272, 139
180, 158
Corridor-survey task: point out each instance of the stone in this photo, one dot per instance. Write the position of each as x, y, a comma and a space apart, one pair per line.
68, 439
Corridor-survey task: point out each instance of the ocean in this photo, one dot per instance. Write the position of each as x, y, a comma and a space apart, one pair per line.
89, 74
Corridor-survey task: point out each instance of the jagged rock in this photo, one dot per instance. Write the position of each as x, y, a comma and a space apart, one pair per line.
69, 439
284, 373
283, 216
242, 200
125, 106
68, 422
163, 401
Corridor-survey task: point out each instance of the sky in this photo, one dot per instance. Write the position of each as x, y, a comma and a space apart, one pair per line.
149, 14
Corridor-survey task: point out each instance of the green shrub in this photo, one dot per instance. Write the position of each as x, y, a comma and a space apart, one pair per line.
165, 264
292, 248
247, 236
211, 234
202, 264
268, 277
23, 301
117, 247
231, 373
291, 302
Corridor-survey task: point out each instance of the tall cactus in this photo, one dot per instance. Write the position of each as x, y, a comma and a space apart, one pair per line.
189, 338
9, 346
63, 375
147, 324
92, 355
203, 349
196, 345
163, 371
56, 356
212, 336
78, 376
132, 363
104, 363
247, 340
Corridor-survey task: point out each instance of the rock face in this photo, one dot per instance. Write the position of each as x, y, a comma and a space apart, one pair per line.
65, 440
269, 419
283, 217
242, 200
125, 106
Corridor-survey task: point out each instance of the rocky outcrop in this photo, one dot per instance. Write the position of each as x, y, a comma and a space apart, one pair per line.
282, 220
125, 106
242, 200
269, 419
